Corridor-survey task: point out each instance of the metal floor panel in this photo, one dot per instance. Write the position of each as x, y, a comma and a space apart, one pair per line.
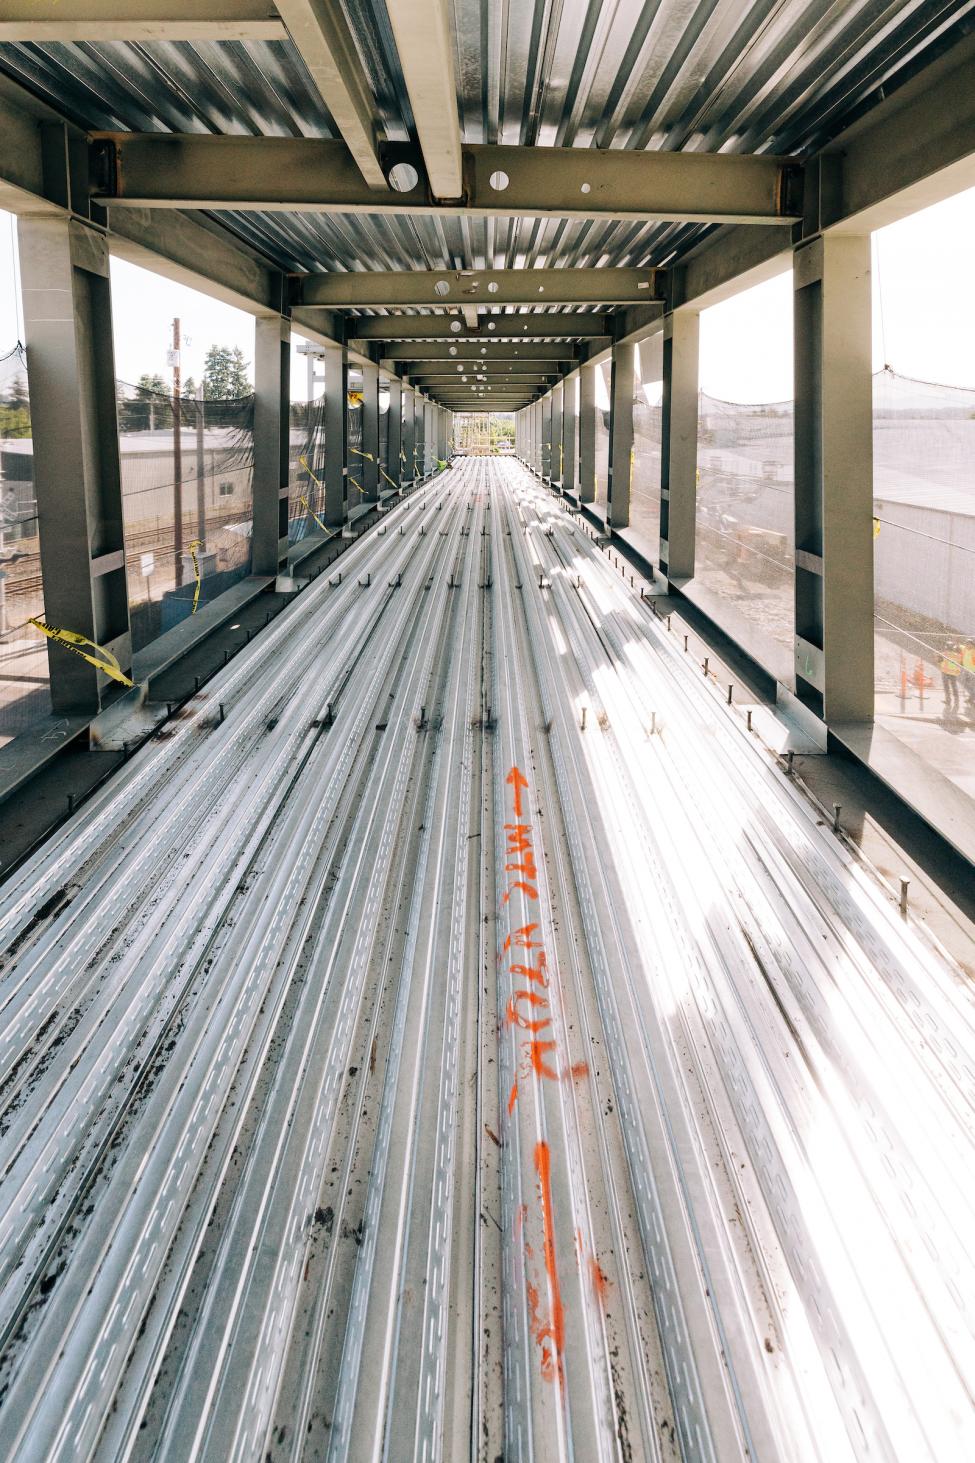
458, 1040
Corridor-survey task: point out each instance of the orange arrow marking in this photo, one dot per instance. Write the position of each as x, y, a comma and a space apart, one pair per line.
517, 779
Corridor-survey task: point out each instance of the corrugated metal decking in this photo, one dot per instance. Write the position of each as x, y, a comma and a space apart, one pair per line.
460, 1039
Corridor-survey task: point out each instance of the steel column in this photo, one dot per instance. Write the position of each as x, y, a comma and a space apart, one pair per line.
77, 478
369, 462
834, 593
336, 414
548, 411
620, 436
272, 407
408, 448
587, 432
555, 472
678, 444
394, 439
570, 389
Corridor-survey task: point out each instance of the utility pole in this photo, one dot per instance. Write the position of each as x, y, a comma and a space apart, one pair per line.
177, 458
201, 499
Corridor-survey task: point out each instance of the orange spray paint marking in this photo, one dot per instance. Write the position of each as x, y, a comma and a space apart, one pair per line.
517, 1018
600, 1281
532, 972
577, 1070
526, 866
527, 889
519, 837
554, 1332
512, 1098
536, 1058
517, 780
522, 937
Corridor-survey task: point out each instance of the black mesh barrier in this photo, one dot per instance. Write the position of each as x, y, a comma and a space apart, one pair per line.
306, 469
25, 697
187, 502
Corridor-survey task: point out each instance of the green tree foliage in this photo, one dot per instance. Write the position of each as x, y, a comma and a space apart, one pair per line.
15, 410
149, 409
225, 374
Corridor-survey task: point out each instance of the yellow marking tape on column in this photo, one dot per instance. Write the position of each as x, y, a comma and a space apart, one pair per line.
72, 641
303, 462
191, 550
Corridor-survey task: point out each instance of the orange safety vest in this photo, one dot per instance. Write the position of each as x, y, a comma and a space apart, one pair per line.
968, 656
950, 664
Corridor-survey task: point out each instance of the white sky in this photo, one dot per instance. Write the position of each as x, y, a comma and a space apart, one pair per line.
924, 315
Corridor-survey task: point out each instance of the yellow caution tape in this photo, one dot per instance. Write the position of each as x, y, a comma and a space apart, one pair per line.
362, 454
876, 527
305, 504
355, 398
72, 641
191, 550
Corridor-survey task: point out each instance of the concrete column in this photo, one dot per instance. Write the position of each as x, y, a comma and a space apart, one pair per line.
419, 446
336, 433
77, 477
395, 435
834, 593
369, 462
620, 436
678, 445
555, 472
442, 433
570, 389
587, 433
272, 407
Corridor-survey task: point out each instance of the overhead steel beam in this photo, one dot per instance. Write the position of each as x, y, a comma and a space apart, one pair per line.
462, 289
469, 313
321, 34
497, 327
492, 350
490, 378
163, 170
421, 30
140, 20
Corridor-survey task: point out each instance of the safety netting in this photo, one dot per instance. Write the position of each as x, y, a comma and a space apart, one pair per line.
645, 477
25, 698
924, 563
306, 469
744, 559
187, 502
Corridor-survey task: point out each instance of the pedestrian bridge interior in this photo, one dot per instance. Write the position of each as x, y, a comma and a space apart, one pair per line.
486, 826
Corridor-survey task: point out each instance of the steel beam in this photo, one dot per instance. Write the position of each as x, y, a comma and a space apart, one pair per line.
555, 472
834, 595
322, 35
77, 478
101, 21
421, 30
492, 327
678, 445
190, 170
460, 289
272, 406
491, 352
620, 435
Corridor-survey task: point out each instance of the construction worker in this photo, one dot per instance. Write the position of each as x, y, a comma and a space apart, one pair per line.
968, 665
950, 668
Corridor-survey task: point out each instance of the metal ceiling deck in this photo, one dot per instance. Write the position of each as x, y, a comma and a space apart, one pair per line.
780, 76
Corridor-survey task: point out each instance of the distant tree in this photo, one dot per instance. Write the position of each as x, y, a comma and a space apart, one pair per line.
225, 373
15, 410
149, 408
189, 387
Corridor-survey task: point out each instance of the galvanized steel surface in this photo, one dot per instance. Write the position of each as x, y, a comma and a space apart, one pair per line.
697, 75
